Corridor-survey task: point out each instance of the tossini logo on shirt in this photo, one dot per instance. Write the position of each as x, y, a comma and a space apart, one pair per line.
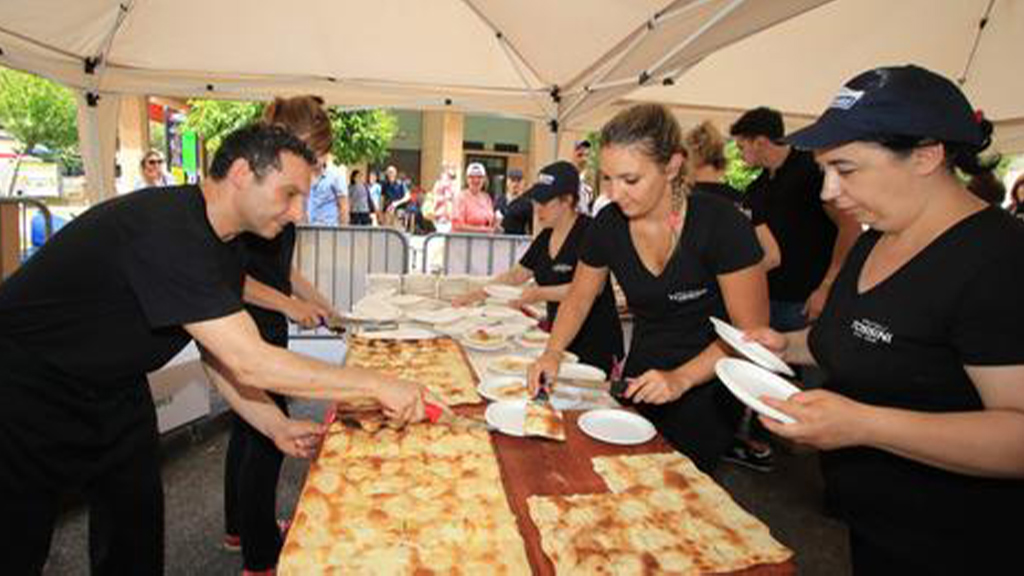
561, 268
871, 332
687, 295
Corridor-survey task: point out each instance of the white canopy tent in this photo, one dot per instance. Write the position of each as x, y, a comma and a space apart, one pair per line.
567, 62
798, 65
553, 61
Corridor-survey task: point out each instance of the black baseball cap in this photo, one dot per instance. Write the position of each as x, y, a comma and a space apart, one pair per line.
893, 101
515, 174
554, 180
581, 144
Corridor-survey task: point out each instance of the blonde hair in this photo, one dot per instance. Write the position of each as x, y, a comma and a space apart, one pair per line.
305, 117
656, 133
706, 145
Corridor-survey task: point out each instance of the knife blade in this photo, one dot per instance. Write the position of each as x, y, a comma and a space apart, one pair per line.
438, 415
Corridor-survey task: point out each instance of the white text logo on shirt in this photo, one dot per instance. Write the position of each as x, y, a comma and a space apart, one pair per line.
687, 295
562, 268
871, 331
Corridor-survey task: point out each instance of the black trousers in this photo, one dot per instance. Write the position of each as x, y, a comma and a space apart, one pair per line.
360, 219
251, 471
126, 512
699, 424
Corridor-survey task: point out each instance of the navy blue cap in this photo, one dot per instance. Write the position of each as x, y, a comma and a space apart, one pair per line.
554, 180
893, 101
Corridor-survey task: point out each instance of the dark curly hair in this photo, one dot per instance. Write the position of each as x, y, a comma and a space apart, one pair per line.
261, 145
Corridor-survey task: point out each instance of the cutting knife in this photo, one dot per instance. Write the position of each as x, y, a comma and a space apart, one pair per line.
438, 415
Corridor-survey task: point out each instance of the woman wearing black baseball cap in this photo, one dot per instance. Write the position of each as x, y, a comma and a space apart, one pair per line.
679, 259
551, 261
921, 420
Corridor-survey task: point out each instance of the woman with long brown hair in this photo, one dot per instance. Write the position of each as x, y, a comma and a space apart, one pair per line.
679, 259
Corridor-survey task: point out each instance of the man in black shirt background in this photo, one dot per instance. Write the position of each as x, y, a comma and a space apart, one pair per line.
813, 237
113, 296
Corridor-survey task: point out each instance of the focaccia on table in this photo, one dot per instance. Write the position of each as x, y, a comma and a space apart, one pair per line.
543, 420
437, 363
662, 516
384, 501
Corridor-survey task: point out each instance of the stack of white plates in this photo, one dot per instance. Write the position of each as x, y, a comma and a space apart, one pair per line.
374, 308
420, 285
503, 291
449, 287
477, 282
379, 282
437, 316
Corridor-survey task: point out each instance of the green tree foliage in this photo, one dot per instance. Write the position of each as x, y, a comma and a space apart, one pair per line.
737, 173
212, 120
362, 135
38, 112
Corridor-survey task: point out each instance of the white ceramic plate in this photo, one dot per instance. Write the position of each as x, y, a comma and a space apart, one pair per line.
376, 310
508, 417
616, 426
495, 388
503, 291
493, 311
403, 300
567, 357
441, 316
752, 350
495, 341
749, 382
577, 371
400, 334
534, 339
510, 364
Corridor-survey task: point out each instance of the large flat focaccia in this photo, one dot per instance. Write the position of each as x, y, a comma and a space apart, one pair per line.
423, 499
663, 516
543, 420
437, 363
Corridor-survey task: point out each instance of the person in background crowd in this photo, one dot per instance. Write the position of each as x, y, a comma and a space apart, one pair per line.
1017, 198
474, 211
581, 159
921, 418
678, 266
987, 187
76, 412
328, 198
360, 203
517, 214
443, 197
376, 197
151, 172
392, 189
513, 189
705, 148
551, 261
813, 238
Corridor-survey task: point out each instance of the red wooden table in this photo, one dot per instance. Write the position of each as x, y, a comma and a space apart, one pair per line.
534, 467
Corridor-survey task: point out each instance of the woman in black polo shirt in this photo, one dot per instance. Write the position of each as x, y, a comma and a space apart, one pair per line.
678, 265
551, 261
921, 421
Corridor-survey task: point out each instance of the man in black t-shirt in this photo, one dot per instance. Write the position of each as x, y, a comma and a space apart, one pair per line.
116, 294
813, 237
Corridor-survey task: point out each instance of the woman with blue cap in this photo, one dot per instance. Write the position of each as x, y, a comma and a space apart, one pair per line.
921, 419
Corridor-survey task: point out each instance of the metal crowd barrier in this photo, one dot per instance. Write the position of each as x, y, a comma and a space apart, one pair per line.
16, 241
473, 254
337, 260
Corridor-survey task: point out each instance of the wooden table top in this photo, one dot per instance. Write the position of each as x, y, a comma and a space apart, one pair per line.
536, 467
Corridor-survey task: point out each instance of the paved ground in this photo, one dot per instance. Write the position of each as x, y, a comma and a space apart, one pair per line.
788, 500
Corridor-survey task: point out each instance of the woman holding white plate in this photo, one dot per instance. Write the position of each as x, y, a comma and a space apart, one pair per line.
551, 261
680, 260
921, 420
